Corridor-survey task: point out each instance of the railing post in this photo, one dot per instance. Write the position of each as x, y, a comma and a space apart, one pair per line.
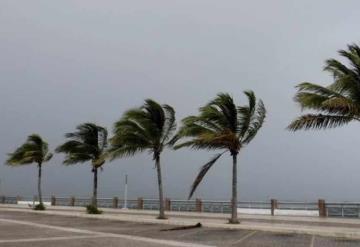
115, 202
198, 205
274, 205
140, 203
53, 201
72, 201
167, 204
3, 199
322, 208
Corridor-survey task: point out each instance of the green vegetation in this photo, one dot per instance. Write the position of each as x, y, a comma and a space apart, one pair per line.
34, 150
92, 209
87, 143
39, 207
147, 128
224, 126
336, 104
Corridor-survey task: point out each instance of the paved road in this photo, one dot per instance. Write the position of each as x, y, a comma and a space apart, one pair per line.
24, 229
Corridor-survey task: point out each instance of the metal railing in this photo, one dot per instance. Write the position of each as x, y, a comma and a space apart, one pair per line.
183, 205
289, 205
348, 210
333, 209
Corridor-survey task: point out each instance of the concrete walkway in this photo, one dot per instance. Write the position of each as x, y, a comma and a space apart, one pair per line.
329, 227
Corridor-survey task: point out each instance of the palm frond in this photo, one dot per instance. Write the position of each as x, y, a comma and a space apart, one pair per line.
35, 149
48, 157
149, 127
256, 123
169, 125
204, 169
318, 121
336, 104
87, 143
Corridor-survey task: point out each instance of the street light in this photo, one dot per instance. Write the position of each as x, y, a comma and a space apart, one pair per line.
125, 192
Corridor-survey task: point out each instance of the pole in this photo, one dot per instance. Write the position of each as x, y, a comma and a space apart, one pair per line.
125, 192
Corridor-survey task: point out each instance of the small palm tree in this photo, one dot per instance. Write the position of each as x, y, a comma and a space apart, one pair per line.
149, 127
87, 143
336, 104
34, 150
222, 125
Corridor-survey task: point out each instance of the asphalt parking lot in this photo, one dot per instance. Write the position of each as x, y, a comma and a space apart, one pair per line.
24, 229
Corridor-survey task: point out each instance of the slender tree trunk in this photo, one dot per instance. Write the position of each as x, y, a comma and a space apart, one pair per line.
39, 184
161, 196
94, 198
234, 218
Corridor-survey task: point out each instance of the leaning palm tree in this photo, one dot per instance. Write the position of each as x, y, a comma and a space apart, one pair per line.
149, 127
87, 143
336, 104
34, 150
222, 125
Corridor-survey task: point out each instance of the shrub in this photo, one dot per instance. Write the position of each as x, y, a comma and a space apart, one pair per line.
40, 207
91, 209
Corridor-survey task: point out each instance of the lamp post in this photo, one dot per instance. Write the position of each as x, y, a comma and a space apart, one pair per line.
125, 192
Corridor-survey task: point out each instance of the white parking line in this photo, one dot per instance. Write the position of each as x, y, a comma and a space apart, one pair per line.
104, 234
25, 240
243, 238
312, 241
186, 234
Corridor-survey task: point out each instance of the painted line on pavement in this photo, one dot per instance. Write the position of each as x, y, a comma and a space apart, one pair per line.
312, 241
25, 240
104, 234
250, 234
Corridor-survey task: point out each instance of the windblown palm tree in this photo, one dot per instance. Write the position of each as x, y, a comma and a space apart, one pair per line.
87, 143
222, 125
336, 104
34, 150
150, 128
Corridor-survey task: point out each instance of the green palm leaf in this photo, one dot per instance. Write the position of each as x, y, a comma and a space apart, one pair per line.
336, 104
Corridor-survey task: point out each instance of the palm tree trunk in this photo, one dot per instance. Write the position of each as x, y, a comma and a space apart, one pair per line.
94, 198
39, 183
234, 218
161, 196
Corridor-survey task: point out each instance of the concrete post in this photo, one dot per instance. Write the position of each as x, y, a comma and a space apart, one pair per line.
322, 208
167, 204
115, 202
274, 205
140, 203
198, 205
53, 201
72, 201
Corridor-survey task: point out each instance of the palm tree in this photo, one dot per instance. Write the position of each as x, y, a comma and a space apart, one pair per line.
336, 104
34, 150
222, 125
149, 127
87, 143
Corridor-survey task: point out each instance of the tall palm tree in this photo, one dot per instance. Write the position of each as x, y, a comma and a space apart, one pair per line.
149, 127
336, 104
34, 150
87, 143
222, 125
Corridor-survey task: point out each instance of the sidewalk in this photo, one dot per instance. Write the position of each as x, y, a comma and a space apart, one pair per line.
329, 227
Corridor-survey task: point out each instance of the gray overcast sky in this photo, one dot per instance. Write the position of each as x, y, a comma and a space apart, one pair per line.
67, 62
